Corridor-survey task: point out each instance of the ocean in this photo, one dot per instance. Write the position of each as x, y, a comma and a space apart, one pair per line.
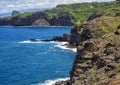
26, 63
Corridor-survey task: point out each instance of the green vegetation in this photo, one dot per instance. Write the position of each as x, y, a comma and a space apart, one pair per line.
82, 11
105, 25
25, 14
22, 15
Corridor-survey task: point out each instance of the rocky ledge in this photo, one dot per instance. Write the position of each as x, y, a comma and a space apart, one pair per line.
97, 59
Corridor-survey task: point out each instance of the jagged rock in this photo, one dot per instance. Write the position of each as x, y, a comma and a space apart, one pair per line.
62, 83
90, 46
65, 37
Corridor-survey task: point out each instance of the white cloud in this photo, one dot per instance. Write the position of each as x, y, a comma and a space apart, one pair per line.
7, 6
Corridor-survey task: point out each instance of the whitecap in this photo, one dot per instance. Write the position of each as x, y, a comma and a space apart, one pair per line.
50, 82
28, 41
63, 45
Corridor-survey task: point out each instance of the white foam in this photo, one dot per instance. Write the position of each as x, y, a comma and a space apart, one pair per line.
50, 82
28, 41
62, 45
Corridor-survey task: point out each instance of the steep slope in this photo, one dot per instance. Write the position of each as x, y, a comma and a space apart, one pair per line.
98, 52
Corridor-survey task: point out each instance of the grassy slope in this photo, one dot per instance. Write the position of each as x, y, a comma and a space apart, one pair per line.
82, 11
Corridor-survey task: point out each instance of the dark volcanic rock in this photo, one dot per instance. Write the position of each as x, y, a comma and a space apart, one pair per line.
37, 19
62, 20
80, 33
95, 15
23, 21
62, 83
65, 37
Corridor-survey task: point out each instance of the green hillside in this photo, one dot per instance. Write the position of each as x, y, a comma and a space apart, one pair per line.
82, 11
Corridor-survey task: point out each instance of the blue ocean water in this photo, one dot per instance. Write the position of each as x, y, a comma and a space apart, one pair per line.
32, 63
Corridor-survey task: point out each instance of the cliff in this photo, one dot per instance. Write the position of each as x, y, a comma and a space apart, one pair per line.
97, 60
98, 52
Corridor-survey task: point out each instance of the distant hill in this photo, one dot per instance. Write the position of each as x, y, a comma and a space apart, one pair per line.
15, 12
65, 15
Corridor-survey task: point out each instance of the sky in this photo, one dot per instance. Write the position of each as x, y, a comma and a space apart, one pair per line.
7, 6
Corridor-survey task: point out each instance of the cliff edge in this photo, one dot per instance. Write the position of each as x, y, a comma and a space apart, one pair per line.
97, 60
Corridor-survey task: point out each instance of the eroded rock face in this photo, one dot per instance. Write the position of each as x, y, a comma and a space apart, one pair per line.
97, 61
40, 22
62, 20
79, 34
23, 21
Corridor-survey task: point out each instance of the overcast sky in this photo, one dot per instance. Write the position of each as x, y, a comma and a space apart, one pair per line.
7, 6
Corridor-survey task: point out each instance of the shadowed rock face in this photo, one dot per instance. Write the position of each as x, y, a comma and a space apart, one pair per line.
23, 21
95, 15
37, 19
62, 20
